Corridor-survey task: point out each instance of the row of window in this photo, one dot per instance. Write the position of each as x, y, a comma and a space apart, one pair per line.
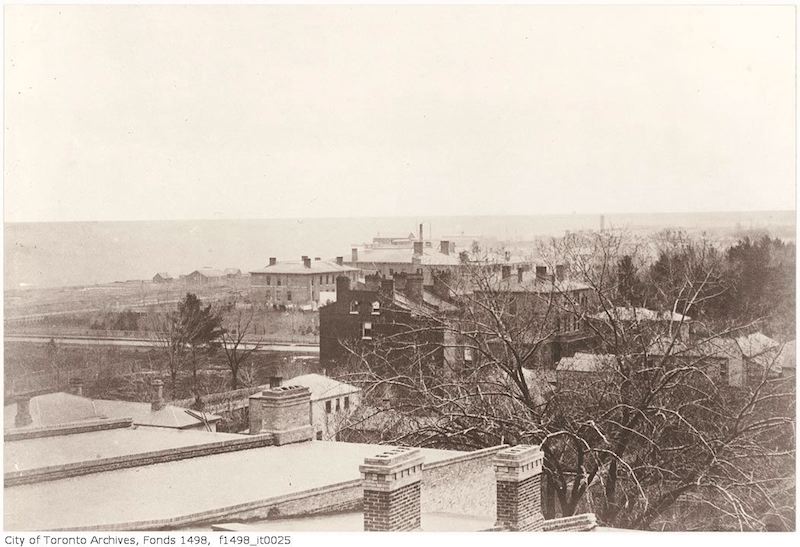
323, 280
339, 403
376, 307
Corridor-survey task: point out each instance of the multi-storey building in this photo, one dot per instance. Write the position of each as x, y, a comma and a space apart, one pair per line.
307, 283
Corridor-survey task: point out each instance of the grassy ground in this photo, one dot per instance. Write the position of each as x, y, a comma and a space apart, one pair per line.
126, 372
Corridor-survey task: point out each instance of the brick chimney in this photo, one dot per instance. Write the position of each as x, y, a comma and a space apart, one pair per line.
413, 287
541, 273
392, 490
421, 239
76, 386
158, 401
316, 258
560, 270
418, 248
23, 416
275, 381
284, 412
518, 472
273, 261
306, 262
444, 247
387, 287
354, 255
342, 285
340, 261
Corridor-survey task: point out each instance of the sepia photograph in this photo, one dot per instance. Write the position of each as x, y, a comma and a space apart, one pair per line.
398, 268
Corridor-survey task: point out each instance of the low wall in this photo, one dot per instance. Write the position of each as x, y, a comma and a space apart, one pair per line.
54, 472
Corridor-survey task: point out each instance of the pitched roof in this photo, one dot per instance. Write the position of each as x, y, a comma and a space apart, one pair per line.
719, 348
587, 362
297, 267
323, 387
209, 272
623, 313
62, 408
756, 344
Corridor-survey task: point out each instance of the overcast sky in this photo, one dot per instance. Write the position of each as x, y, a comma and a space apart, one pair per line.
156, 112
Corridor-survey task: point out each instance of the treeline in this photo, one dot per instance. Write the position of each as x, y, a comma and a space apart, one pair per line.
752, 282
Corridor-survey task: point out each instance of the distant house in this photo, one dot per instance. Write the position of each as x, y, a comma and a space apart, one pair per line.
232, 272
54, 409
583, 369
762, 355
305, 283
205, 276
331, 402
162, 277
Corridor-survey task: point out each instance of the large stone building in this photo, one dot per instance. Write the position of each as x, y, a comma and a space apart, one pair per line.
307, 283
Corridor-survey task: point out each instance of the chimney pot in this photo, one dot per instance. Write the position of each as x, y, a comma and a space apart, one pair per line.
275, 381
23, 416
518, 473
273, 261
76, 386
340, 261
284, 413
306, 262
158, 402
391, 482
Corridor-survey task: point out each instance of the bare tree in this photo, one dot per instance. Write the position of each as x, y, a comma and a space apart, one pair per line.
653, 427
239, 350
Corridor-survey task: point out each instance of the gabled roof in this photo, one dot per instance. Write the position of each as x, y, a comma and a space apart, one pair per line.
209, 272
297, 267
622, 313
323, 387
719, 348
164, 275
587, 362
755, 344
61, 408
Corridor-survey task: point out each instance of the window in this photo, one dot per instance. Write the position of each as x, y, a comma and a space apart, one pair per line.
366, 331
346, 403
289, 296
419, 270
338, 407
269, 280
327, 407
319, 435
354, 307
723, 371
469, 354
376, 308
279, 281
320, 279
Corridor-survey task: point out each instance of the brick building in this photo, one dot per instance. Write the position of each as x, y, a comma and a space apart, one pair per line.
388, 311
306, 283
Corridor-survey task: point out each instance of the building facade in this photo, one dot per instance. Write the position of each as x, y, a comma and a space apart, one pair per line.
307, 283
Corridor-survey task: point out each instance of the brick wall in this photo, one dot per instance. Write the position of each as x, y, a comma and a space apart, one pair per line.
519, 504
398, 510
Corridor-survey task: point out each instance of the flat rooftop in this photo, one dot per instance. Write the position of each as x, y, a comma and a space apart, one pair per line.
27, 454
180, 488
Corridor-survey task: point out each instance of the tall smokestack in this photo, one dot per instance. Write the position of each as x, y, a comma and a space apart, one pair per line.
420, 232
354, 255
